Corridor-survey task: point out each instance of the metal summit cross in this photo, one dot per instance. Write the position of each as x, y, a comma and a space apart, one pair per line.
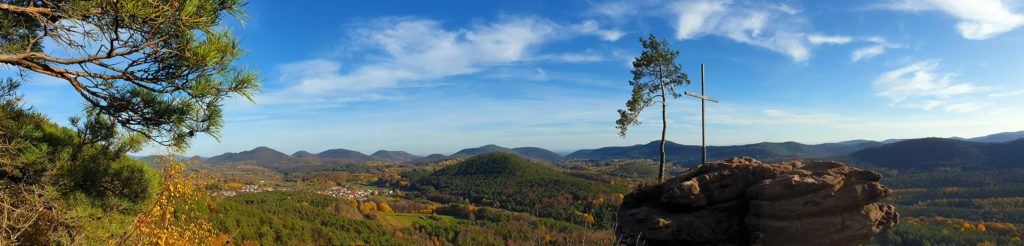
703, 97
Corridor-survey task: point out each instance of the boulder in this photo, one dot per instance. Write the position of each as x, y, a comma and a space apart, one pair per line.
742, 201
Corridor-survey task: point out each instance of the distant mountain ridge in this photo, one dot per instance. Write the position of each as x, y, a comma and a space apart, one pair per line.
331, 159
999, 137
930, 153
690, 154
682, 154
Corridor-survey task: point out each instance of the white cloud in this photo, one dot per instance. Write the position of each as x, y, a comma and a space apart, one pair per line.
965, 107
879, 47
615, 10
758, 115
1005, 94
574, 57
978, 19
867, 52
785, 8
822, 39
697, 18
774, 27
591, 27
417, 50
919, 85
775, 116
925, 105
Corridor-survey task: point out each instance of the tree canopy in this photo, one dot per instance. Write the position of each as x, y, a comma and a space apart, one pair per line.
655, 74
160, 69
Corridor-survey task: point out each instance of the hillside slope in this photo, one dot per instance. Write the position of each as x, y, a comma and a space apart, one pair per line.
929, 153
343, 154
508, 181
394, 156
538, 153
533, 153
999, 137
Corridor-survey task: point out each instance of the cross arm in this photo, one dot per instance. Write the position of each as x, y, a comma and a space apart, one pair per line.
702, 97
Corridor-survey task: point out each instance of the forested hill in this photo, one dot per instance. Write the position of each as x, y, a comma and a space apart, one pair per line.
527, 152
999, 137
343, 154
260, 155
394, 156
929, 153
679, 153
509, 181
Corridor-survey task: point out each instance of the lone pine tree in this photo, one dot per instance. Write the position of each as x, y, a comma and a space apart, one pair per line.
655, 76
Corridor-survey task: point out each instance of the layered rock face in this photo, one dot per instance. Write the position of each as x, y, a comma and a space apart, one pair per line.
741, 201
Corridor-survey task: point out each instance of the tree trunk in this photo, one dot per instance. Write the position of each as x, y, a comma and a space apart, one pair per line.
664, 126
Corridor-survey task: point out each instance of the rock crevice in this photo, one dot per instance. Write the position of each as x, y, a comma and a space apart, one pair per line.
742, 201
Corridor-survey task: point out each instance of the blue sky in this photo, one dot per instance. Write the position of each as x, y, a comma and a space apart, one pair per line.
429, 77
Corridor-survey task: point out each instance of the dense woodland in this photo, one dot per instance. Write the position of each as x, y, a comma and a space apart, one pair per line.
289, 218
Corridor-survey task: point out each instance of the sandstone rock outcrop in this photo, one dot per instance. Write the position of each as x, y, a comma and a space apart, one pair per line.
741, 201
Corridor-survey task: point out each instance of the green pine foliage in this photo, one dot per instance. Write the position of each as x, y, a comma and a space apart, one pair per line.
80, 184
161, 69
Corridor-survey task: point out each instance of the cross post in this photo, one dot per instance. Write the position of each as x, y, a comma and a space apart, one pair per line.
703, 97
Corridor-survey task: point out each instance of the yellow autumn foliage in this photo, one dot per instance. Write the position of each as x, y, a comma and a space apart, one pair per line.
368, 206
966, 227
176, 216
586, 217
385, 208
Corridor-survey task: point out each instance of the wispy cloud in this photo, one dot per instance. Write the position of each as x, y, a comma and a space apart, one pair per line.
925, 105
617, 11
775, 27
781, 28
756, 116
574, 57
966, 107
1006, 94
823, 39
920, 85
867, 52
878, 46
591, 27
411, 49
979, 19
